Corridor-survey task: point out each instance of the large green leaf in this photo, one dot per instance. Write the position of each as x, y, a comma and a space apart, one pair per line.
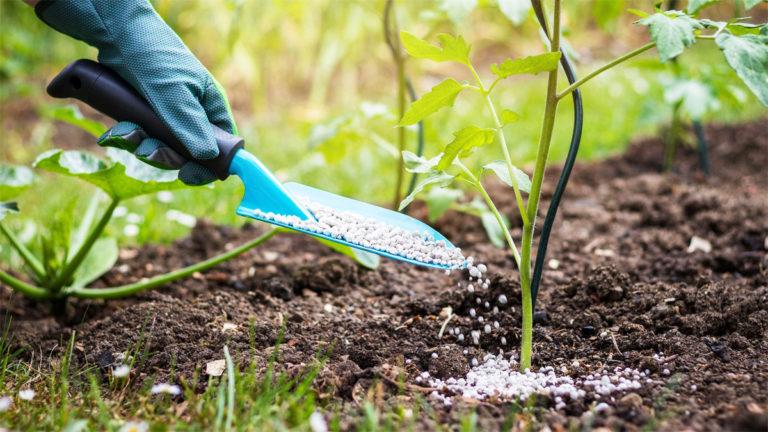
527, 65
748, 56
464, 141
672, 31
101, 258
122, 177
518, 177
452, 48
71, 114
8, 207
435, 178
439, 200
419, 164
13, 180
694, 6
515, 10
441, 96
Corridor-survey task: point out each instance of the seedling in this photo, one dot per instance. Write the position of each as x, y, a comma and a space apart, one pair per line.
745, 47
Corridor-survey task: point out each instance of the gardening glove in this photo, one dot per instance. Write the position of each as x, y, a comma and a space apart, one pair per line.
136, 43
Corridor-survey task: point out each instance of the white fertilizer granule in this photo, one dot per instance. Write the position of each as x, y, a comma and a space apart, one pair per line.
500, 378
371, 233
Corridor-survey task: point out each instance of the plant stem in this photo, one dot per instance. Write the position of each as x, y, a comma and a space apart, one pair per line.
604, 68
25, 253
545, 139
502, 142
66, 274
125, 290
23, 287
500, 220
391, 36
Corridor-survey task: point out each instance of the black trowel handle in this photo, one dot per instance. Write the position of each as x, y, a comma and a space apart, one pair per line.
103, 89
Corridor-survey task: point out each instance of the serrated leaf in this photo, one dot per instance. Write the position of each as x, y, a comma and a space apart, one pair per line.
748, 56
452, 48
435, 178
464, 141
527, 65
13, 180
694, 6
439, 200
672, 31
71, 114
122, 177
441, 96
101, 258
365, 259
418, 164
516, 11
508, 116
8, 207
518, 176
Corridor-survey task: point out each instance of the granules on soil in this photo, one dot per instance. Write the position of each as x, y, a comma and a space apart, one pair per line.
499, 378
371, 233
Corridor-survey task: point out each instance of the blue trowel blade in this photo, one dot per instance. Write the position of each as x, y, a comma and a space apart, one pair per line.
265, 194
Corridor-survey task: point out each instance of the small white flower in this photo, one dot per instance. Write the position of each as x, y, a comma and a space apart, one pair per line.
171, 389
134, 426
5, 403
131, 230
27, 394
317, 422
182, 218
121, 371
165, 196
134, 218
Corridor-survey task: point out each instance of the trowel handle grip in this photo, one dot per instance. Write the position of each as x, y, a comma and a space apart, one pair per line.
106, 91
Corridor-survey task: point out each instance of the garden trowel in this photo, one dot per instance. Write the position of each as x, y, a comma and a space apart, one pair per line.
105, 91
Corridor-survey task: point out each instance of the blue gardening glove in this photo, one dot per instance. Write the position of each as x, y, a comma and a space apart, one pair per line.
136, 43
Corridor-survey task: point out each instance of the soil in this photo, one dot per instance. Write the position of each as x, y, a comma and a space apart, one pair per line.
625, 292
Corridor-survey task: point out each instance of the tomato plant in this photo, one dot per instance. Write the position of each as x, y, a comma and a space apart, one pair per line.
745, 47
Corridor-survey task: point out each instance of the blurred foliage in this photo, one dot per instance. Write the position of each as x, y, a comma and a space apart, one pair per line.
314, 89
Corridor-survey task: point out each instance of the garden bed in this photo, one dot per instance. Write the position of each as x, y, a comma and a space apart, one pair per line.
620, 289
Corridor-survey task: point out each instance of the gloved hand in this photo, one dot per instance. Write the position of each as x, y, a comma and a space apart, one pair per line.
137, 44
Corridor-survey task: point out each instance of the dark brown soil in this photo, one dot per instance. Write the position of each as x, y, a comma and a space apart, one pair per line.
626, 293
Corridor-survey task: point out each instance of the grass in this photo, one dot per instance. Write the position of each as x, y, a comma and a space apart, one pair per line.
73, 396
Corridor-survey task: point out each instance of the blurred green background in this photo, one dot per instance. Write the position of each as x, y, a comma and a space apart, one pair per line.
313, 88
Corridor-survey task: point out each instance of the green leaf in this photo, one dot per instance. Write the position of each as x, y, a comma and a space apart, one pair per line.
695, 98
13, 180
439, 200
71, 114
435, 178
8, 207
519, 177
101, 258
694, 6
526, 65
464, 141
419, 164
365, 259
748, 56
441, 96
509, 116
452, 48
122, 177
672, 31
492, 228
515, 10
